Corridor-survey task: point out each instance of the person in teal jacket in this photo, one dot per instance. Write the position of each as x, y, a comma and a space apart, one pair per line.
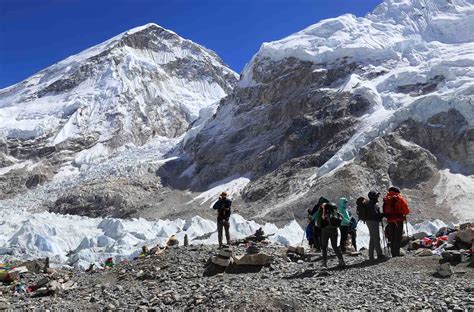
345, 224
324, 217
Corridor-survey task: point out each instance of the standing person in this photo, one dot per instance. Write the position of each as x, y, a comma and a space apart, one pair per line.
223, 214
395, 209
372, 218
315, 229
353, 232
328, 219
345, 224
309, 230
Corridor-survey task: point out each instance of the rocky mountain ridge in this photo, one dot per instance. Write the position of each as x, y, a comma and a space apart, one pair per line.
344, 106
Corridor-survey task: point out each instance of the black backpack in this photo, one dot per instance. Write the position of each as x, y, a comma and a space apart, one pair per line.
335, 218
362, 209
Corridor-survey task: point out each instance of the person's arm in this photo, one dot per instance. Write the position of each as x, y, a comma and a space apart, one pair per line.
216, 205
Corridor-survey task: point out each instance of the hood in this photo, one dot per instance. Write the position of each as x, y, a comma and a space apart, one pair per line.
343, 203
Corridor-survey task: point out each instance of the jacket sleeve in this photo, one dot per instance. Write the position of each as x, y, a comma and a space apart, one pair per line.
216, 205
403, 202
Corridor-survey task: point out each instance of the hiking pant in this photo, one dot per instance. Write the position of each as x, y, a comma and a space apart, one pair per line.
316, 237
223, 224
354, 238
374, 243
395, 232
344, 233
326, 235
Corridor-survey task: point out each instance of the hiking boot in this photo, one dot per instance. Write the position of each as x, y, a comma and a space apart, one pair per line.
325, 264
341, 264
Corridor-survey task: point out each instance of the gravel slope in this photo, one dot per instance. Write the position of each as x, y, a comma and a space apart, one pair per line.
174, 280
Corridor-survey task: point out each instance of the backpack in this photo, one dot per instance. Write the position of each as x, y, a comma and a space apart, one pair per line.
362, 210
335, 218
353, 224
394, 205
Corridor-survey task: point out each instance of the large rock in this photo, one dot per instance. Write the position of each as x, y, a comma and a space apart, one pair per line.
466, 234
253, 259
444, 270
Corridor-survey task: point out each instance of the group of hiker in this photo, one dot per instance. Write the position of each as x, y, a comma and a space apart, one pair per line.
325, 218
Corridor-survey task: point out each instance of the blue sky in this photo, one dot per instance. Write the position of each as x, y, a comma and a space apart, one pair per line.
37, 33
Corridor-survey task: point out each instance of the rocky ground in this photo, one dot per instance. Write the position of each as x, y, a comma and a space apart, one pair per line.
175, 280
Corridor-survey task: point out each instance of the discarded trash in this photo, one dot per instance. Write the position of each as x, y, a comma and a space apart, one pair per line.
109, 262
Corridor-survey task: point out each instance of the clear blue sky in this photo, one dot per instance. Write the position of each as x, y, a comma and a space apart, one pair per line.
37, 33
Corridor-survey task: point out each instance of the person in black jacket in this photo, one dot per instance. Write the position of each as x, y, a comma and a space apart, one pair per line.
373, 223
315, 230
223, 214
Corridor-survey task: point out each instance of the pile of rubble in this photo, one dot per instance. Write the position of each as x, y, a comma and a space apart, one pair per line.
34, 279
454, 245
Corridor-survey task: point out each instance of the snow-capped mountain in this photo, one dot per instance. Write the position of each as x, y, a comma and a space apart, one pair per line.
146, 81
146, 84
351, 104
344, 106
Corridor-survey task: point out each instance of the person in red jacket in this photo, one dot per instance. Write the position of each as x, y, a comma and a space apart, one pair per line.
395, 209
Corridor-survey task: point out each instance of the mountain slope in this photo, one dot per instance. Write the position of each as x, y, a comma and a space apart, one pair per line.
144, 85
350, 104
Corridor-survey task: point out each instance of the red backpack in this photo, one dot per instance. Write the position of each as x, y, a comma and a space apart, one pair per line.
395, 205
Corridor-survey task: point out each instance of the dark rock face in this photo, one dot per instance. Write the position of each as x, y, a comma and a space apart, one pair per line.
285, 116
448, 136
422, 88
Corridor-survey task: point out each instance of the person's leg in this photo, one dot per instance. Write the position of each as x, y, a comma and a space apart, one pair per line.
354, 239
370, 226
324, 246
398, 238
336, 249
317, 238
220, 225
344, 233
377, 244
227, 234
391, 234
374, 232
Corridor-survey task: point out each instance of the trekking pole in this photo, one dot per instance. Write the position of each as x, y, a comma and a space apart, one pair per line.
406, 225
302, 240
384, 243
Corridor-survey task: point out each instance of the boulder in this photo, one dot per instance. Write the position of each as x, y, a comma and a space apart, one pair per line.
221, 261
465, 235
452, 256
444, 270
414, 245
253, 259
424, 253
298, 250
33, 266
466, 226
226, 253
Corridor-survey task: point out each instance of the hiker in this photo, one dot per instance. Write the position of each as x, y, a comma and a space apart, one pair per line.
310, 230
345, 224
328, 220
353, 232
223, 214
395, 209
315, 229
369, 212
